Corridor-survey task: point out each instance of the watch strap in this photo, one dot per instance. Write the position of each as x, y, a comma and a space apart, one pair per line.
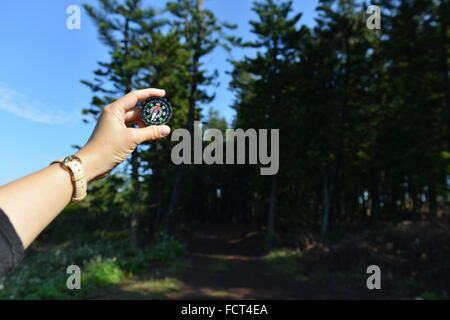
74, 166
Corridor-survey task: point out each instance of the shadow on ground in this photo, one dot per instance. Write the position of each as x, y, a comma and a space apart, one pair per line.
228, 264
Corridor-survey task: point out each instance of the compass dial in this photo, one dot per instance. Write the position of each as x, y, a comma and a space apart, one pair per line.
155, 111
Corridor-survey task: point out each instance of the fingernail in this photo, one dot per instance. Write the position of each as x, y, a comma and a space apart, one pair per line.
162, 91
164, 130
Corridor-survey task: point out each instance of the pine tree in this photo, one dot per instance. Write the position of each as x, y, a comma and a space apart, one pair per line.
278, 40
201, 33
120, 28
341, 34
166, 63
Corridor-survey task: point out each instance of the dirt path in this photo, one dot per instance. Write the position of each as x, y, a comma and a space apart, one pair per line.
230, 265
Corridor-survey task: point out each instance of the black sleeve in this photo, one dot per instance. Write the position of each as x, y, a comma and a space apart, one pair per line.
11, 247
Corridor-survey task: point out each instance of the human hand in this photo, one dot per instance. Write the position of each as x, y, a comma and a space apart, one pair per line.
112, 141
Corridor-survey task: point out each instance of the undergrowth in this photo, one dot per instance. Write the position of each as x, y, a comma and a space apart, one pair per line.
42, 274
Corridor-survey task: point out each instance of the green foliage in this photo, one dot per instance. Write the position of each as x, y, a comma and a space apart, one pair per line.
283, 255
165, 250
364, 134
156, 288
287, 262
42, 275
272, 240
162, 251
409, 282
102, 272
434, 296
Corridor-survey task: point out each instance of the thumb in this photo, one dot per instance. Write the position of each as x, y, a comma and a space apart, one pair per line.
151, 133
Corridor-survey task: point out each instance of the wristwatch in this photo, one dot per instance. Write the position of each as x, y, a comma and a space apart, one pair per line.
74, 166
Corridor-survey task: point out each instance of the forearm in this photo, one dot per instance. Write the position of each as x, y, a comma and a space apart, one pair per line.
33, 201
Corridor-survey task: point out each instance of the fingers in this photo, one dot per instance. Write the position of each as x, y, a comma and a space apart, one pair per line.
132, 115
151, 133
129, 100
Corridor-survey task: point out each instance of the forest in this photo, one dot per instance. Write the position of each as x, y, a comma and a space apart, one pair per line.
364, 159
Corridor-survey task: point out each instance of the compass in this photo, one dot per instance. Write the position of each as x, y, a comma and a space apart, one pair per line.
155, 111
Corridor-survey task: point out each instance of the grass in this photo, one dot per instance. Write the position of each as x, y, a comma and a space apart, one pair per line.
42, 274
219, 294
160, 286
287, 262
426, 295
411, 283
153, 288
283, 254
156, 283
162, 279
103, 273
177, 268
434, 296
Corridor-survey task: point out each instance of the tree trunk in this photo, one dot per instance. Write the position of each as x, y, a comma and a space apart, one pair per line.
432, 197
253, 211
134, 223
190, 126
158, 188
375, 199
326, 204
272, 207
167, 225
443, 8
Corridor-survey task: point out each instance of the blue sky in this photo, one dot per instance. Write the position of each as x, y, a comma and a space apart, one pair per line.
42, 62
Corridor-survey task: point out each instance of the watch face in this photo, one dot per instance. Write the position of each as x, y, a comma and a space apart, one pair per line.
155, 111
